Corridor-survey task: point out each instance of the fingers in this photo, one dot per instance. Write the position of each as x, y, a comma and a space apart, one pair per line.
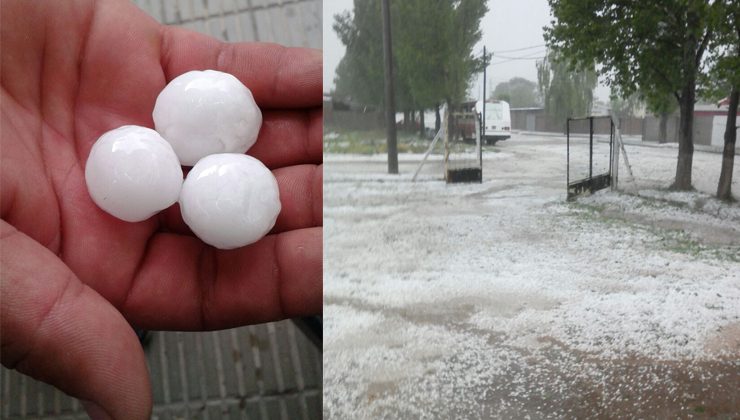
301, 201
289, 138
184, 284
301, 197
279, 77
59, 331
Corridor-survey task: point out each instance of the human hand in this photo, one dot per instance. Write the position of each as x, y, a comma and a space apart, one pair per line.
72, 274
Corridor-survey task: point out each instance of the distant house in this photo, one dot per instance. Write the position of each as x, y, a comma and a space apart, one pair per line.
526, 119
724, 102
709, 125
710, 122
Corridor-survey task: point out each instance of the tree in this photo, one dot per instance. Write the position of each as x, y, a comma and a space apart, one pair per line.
723, 79
418, 57
655, 47
724, 187
433, 54
462, 32
359, 74
662, 106
518, 92
567, 92
506, 97
624, 106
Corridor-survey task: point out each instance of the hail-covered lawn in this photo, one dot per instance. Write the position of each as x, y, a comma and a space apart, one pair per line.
501, 299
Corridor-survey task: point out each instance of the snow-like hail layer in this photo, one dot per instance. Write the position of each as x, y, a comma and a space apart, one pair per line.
494, 298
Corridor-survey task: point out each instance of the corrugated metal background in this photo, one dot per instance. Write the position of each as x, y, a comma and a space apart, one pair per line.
268, 371
290, 22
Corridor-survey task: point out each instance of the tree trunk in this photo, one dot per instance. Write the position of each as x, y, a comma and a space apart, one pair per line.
422, 130
685, 139
663, 135
451, 121
724, 188
405, 120
437, 119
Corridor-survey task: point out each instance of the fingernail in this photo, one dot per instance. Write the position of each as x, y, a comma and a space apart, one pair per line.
95, 411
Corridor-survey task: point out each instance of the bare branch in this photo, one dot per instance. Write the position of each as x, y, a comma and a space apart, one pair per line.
703, 46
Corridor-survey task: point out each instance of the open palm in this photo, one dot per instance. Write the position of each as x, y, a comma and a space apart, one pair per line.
71, 71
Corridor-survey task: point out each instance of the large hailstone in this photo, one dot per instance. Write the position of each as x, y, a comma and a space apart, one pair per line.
132, 173
206, 112
230, 200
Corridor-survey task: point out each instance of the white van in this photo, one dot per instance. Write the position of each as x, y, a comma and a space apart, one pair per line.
498, 120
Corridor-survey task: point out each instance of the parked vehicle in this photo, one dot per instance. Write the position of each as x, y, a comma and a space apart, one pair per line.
463, 122
498, 120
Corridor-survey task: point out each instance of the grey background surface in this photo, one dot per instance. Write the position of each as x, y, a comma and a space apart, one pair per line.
268, 371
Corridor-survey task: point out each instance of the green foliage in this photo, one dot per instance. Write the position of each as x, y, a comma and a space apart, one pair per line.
664, 104
433, 54
651, 47
567, 92
417, 53
518, 92
460, 34
625, 107
724, 53
503, 97
360, 72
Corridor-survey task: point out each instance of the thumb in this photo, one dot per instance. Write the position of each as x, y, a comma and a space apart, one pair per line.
56, 329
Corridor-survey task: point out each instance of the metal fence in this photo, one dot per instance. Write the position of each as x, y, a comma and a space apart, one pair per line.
589, 155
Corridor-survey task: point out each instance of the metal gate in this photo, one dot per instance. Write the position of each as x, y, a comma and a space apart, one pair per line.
463, 162
590, 143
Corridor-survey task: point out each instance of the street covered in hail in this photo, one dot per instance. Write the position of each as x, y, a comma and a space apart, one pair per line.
502, 299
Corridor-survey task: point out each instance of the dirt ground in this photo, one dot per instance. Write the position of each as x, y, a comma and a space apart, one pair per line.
502, 300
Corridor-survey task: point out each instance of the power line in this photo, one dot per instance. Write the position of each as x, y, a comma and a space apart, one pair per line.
515, 59
522, 57
529, 56
520, 49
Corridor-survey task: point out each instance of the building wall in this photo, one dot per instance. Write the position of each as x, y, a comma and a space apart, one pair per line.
703, 129
521, 120
631, 126
354, 120
648, 127
718, 131
651, 129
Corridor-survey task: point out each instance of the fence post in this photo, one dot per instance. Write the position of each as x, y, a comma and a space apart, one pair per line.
590, 147
614, 163
567, 155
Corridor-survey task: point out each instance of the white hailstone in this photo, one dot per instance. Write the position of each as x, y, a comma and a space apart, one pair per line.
132, 173
206, 112
230, 200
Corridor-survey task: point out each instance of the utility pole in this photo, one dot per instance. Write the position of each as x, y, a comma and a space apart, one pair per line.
483, 111
390, 106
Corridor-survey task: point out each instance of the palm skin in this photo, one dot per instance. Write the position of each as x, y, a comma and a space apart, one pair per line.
71, 273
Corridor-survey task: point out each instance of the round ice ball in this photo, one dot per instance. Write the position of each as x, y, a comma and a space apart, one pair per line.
132, 173
230, 200
206, 112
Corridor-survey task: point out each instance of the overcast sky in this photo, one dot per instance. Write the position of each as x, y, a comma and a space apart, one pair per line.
508, 25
